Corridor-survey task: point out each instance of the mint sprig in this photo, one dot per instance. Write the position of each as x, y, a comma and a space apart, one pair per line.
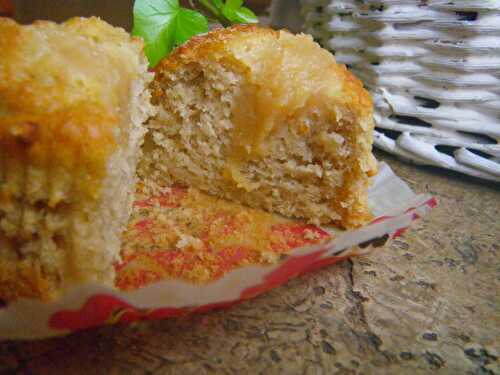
164, 24
230, 11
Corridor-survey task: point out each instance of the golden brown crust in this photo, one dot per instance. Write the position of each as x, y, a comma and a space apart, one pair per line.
203, 45
47, 92
65, 92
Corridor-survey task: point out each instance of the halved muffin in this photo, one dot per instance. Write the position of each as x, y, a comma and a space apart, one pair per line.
265, 118
253, 115
73, 99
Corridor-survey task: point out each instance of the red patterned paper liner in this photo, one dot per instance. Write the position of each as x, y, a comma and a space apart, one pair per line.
106, 309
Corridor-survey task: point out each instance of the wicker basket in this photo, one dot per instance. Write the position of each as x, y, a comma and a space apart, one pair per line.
433, 67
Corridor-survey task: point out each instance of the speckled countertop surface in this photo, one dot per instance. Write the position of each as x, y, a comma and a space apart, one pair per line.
428, 303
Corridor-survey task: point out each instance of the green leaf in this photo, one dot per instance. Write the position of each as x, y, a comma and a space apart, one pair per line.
229, 11
189, 24
247, 16
239, 15
164, 24
235, 4
218, 3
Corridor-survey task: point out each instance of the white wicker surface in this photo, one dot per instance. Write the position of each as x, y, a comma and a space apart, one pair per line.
433, 67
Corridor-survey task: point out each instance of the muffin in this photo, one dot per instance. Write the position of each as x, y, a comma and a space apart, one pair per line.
252, 115
265, 118
73, 99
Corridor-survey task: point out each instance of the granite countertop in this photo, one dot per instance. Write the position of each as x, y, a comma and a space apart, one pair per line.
427, 303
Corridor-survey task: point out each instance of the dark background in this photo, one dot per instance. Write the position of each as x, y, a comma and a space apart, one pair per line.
117, 12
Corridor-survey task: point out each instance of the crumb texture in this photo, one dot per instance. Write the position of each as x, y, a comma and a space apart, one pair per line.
264, 118
185, 234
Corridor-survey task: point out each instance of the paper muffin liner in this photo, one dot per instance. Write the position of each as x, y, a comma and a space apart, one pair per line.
157, 285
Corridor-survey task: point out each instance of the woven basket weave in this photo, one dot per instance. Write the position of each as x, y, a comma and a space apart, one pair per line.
433, 67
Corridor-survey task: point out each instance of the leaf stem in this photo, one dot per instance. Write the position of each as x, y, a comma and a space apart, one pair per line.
216, 12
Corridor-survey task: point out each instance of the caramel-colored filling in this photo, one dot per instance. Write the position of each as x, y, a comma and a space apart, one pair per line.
283, 79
